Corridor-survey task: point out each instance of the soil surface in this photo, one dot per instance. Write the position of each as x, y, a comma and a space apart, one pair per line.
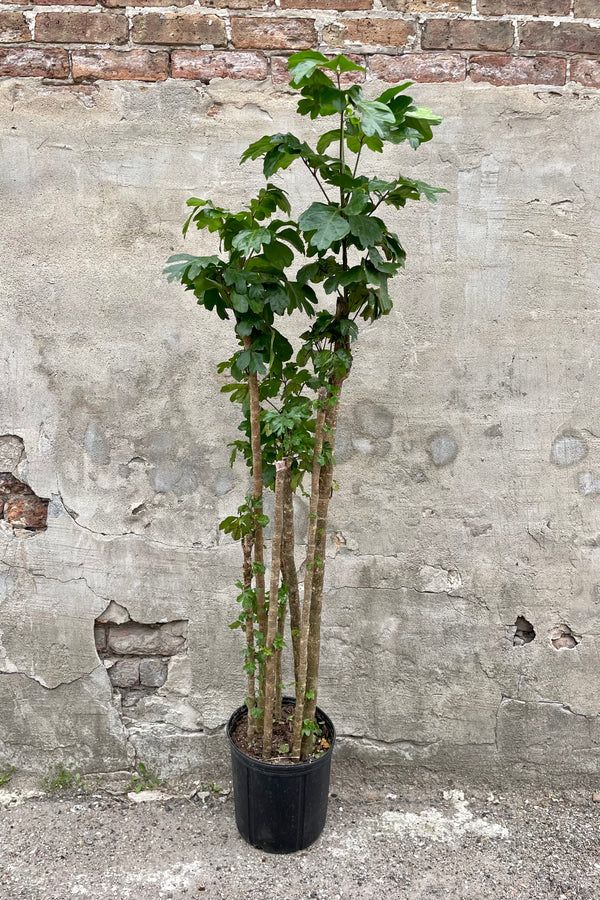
283, 739
389, 834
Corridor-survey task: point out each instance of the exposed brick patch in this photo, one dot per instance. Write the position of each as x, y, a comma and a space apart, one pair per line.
20, 507
13, 28
418, 67
281, 74
204, 65
119, 65
524, 7
237, 4
456, 34
50, 2
586, 71
370, 32
36, 62
341, 5
507, 70
121, 4
137, 655
424, 6
273, 34
587, 9
567, 37
174, 28
81, 27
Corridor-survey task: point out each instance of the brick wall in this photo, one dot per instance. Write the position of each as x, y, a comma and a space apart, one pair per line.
497, 41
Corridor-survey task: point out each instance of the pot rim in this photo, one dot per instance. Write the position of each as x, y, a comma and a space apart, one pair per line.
284, 770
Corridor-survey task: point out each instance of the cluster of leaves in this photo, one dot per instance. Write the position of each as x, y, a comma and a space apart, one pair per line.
62, 778
6, 774
144, 780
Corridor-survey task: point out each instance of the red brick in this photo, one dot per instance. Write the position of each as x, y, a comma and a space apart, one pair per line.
341, 5
204, 65
464, 34
81, 27
120, 65
13, 28
524, 7
421, 67
587, 9
49, 2
586, 71
281, 74
236, 4
205, 4
506, 70
370, 32
35, 62
568, 37
28, 512
175, 28
419, 6
273, 34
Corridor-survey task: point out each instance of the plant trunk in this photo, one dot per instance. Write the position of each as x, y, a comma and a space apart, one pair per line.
270, 668
288, 568
278, 667
257, 494
316, 604
301, 682
247, 545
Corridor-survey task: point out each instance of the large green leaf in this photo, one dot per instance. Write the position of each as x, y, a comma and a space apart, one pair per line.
251, 239
375, 118
366, 230
325, 225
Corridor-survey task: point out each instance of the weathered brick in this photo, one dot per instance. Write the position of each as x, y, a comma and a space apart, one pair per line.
341, 5
412, 6
238, 4
125, 673
506, 70
153, 672
34, 61
13, 28
81, 28
9, 485
421, 67
49, 2
175, 28
28, 512
587, 9
567, 37
134, 639
369, 32
273, 34
120, 65
524, 7
204, 65
281, 74
586, 71
465, 34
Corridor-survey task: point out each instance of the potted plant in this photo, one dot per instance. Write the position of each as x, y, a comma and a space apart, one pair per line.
289, 401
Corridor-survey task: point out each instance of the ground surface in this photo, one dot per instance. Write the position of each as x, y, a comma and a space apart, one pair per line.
388, 835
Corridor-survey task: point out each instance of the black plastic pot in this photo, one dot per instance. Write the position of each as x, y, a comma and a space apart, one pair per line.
280, 808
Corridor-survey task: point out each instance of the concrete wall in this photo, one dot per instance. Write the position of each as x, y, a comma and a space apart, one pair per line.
469, 451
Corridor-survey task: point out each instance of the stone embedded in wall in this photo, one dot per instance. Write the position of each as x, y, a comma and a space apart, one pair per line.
137, 655
589, 484
20, 507
563, 638
568, 448
443, 449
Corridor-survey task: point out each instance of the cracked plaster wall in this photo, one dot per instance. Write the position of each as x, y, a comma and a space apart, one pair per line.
469, 448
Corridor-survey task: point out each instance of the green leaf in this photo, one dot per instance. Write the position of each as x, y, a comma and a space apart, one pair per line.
366, 230
324, 224
375, 117
250, 240
304, 64
393, 91
330, 137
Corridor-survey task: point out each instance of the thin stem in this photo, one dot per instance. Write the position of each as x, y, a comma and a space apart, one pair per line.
270, 669
308, 579
313, 172
360, 149
288, 569
247, 545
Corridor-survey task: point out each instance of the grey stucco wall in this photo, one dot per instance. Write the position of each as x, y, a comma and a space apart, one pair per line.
469, 448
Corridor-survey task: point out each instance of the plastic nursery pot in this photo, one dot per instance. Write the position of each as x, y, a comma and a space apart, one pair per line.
280, 808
